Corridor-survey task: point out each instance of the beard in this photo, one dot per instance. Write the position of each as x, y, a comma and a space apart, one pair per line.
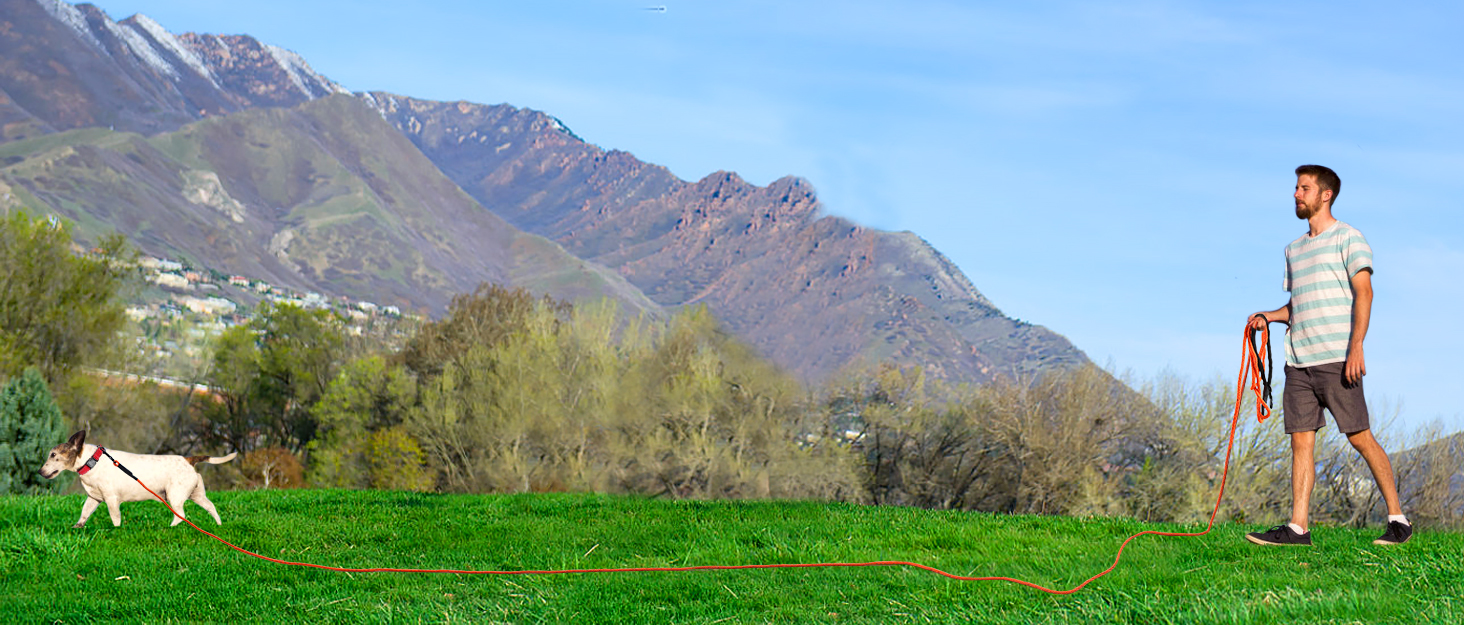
1305, 211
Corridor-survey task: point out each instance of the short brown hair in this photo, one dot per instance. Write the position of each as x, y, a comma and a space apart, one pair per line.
1326, 178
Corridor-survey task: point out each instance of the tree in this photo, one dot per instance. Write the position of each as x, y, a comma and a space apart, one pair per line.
300, 352
57, 308
485, 318
270, 374
368, 396
30, 425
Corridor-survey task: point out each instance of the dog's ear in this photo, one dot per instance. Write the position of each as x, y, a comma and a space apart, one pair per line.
76, 439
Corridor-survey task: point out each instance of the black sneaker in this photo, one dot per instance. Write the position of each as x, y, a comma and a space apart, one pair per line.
1397, 534
1281, 535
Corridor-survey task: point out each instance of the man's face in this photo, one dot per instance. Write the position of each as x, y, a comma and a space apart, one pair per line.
1309, 196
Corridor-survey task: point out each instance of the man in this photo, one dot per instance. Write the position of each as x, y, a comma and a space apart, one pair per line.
1329, 276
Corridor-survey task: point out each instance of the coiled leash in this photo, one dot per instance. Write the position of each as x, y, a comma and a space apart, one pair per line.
1251, 368
1262, 374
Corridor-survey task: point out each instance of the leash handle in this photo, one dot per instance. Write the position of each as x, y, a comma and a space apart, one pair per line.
1263, 372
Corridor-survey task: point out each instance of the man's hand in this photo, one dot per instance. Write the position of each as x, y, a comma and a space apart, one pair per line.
1356, 368
1259, 320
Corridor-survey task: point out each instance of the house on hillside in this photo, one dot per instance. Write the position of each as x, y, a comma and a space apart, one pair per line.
212, 306
172, 281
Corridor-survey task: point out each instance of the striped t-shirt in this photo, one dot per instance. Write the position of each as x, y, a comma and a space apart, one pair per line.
1319, 272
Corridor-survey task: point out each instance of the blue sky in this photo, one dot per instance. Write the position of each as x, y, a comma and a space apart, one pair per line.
1120, 172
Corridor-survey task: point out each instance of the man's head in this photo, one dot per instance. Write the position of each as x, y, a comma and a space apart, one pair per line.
1316, 187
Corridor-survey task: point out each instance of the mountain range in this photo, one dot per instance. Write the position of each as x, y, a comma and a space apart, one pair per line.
235, 155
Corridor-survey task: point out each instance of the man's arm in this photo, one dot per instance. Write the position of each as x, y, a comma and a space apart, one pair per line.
1362, 297
1280, 315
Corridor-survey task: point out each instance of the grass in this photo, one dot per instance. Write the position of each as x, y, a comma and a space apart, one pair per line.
146, 571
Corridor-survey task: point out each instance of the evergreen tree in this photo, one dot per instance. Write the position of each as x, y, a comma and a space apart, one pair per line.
30, 425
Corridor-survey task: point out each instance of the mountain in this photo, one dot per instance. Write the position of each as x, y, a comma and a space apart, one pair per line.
235, 153
814, 292
65, 67
324, 196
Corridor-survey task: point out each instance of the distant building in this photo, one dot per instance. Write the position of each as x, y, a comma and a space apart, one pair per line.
314, 300
172, 281
239, 281
212, 306
159, 264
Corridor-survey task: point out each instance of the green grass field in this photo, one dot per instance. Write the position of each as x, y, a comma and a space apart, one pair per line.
146, 571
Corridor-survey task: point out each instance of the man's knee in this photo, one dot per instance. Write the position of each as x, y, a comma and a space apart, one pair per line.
1303, 441
1363, 441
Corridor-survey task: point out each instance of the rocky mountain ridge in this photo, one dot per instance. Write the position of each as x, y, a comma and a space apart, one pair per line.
815, 292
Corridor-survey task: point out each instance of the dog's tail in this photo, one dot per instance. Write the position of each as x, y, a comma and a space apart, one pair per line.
194, 460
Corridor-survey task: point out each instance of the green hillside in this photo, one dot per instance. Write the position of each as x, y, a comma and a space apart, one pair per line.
325, 197
146, 571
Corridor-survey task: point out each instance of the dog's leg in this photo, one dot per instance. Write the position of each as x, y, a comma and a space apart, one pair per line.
86, 511
201, 498
176, 497
115, 510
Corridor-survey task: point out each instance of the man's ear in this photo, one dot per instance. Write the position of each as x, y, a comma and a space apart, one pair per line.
76, 439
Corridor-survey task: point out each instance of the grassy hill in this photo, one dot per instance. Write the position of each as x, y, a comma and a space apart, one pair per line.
148, 571
325, 197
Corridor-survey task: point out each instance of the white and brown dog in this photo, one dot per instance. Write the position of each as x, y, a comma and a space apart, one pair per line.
172, 477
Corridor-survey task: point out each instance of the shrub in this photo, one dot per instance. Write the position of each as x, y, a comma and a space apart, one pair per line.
272, 467
397, 462
30, 425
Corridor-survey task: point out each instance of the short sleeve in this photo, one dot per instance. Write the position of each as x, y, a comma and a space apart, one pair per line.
1356, 254
1286, 276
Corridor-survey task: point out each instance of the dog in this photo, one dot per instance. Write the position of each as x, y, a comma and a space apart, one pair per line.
172, 477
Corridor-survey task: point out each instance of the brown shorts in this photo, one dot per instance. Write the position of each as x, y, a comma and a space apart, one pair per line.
1310, 389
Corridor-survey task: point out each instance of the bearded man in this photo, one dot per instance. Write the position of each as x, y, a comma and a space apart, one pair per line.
1329, 275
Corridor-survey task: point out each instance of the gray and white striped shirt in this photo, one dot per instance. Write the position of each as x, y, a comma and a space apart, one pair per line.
1319, 272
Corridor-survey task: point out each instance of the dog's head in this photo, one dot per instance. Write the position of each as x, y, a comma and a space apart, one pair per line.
63, 456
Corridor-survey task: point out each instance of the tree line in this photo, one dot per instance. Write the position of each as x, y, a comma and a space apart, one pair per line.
509, 392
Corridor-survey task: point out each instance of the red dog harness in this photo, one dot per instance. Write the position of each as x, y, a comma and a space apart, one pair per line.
93, 461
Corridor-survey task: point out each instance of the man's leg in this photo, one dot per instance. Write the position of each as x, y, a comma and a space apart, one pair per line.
1382, 470
1303, 415
1303, 475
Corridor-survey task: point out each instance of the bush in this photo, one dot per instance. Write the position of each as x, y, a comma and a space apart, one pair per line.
272, 467
1031, 447
397, 462
30, 425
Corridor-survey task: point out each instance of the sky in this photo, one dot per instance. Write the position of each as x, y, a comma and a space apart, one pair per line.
1119, 172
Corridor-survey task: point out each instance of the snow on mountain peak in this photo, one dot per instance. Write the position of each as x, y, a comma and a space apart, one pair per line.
141, 48
171, 44
298, 70
72, 18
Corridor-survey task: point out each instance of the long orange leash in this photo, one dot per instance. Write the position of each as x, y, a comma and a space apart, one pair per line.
1251, 368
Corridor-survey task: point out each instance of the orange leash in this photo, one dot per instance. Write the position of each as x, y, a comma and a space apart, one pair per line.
1250, 367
